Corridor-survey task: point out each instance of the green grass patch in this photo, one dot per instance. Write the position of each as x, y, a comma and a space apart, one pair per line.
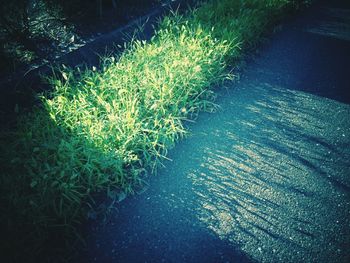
99, 132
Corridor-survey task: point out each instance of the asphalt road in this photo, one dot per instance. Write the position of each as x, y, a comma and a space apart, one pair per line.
264, 179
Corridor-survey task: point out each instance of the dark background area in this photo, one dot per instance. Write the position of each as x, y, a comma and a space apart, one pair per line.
36, 31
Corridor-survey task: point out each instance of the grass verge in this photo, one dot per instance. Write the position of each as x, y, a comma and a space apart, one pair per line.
100, 131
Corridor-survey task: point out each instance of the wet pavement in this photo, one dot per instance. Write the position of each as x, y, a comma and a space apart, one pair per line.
266, 178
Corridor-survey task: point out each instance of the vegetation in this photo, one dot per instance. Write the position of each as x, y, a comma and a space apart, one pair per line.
30, 29
99, 132
35, 31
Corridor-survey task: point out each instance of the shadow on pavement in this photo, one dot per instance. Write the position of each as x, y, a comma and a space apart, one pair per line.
264, 179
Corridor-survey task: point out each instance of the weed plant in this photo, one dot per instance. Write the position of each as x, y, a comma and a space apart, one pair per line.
101, 131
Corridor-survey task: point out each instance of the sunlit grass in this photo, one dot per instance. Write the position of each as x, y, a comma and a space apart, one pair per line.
101, 131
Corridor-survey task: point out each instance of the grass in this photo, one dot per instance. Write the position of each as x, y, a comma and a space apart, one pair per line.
99, 132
